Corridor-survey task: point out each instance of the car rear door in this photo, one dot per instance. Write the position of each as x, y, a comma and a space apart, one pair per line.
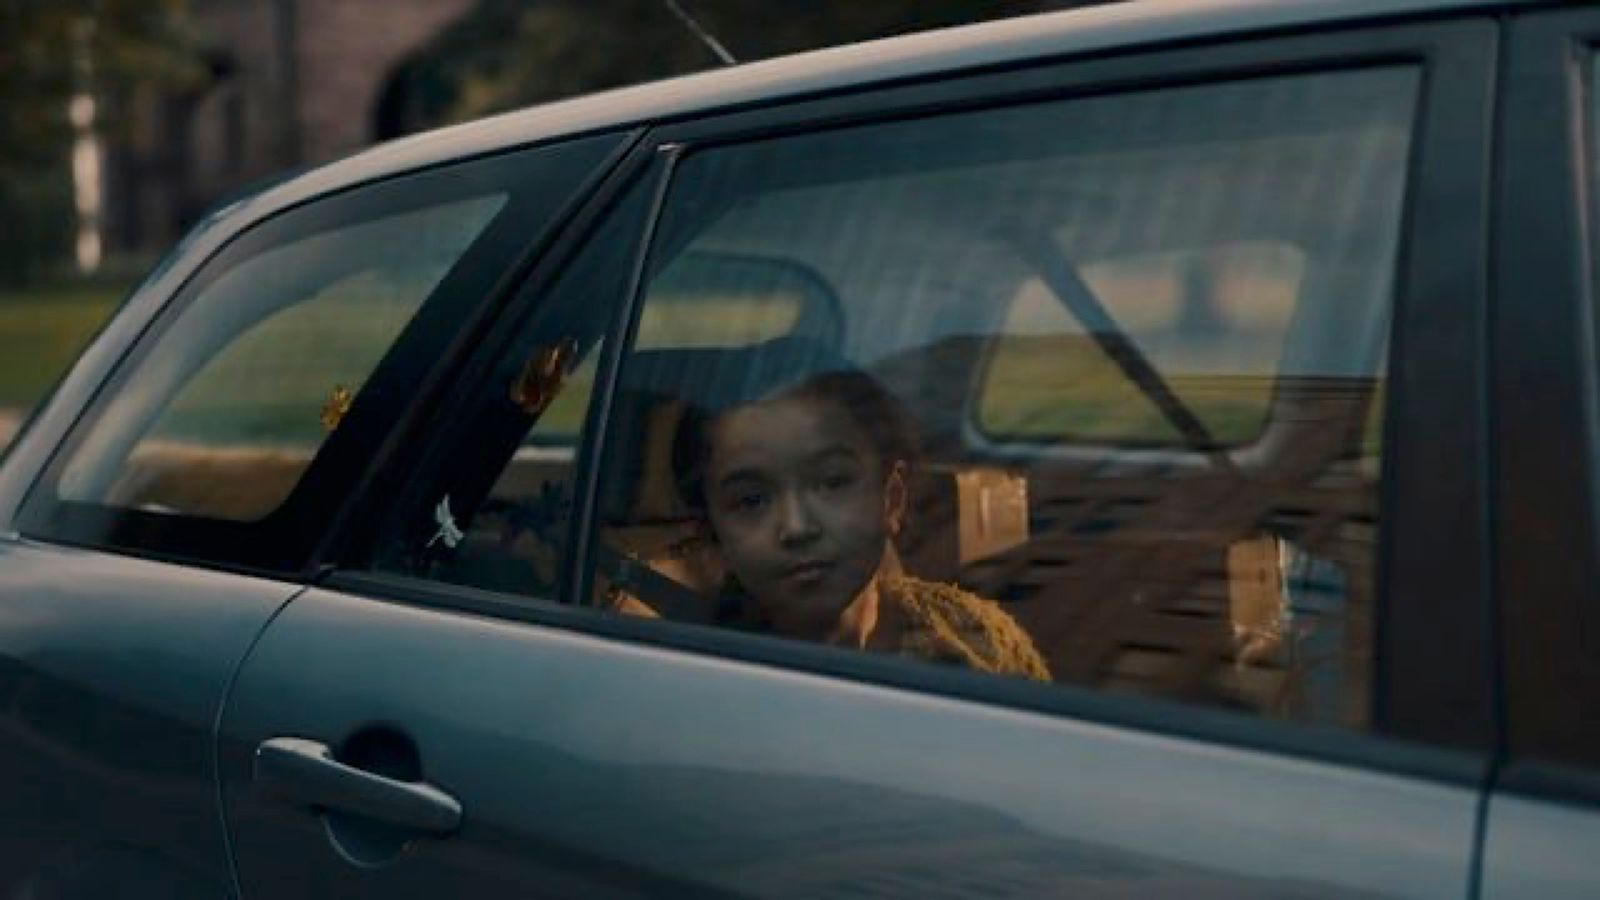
448, 712
161, 532
1543, 833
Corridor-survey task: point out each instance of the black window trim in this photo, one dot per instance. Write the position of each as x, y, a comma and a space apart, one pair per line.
1547, 409
280, 544
1453, 146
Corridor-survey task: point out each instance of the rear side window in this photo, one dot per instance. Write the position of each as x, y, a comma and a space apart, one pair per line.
1085, 391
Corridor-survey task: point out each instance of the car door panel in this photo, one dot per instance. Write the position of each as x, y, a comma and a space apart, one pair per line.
1540, 848
588, 766
110, 685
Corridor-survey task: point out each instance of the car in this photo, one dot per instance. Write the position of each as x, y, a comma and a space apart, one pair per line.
1225, 505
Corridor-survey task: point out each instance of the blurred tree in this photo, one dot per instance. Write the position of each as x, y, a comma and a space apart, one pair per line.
513, 53
49, 51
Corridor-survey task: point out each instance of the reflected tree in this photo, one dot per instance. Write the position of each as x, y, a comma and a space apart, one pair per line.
49, 52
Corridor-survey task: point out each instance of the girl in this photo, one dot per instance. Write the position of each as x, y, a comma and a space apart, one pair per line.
801, 492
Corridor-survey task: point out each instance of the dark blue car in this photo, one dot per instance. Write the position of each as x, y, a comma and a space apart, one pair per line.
1148, 450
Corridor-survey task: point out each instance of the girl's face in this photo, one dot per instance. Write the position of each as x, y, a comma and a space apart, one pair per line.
800, 505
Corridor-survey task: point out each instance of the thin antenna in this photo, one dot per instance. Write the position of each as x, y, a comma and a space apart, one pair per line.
699, 32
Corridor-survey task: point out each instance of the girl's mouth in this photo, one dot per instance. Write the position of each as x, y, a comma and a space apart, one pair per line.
810, 571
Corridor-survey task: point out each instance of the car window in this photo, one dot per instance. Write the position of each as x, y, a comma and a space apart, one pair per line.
702, 300
709, 300
1084, 391
1094, 398
1211, 318
262, 365
496, 511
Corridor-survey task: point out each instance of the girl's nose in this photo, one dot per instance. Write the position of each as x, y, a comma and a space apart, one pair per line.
797, 525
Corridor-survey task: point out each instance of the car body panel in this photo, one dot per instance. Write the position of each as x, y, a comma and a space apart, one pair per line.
1536, 847
111, 682
596, 767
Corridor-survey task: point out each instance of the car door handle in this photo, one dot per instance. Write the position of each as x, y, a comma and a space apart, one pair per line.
304, 771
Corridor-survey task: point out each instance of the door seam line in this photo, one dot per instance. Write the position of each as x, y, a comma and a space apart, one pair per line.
216, 738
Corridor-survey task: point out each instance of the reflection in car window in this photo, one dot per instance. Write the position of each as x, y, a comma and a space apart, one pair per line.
240, 392
496, 514
718, 300
1137, 344
1212, 319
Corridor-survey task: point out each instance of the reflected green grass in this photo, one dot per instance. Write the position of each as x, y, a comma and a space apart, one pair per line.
269, 386
1067, 389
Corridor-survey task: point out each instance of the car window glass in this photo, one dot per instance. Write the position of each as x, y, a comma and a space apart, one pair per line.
689, 312
1213, 319
710, 299
496, 513
245, 385
1087, 392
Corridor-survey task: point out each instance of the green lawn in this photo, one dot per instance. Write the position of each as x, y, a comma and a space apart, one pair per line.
41, 331
270, 385
1064, 388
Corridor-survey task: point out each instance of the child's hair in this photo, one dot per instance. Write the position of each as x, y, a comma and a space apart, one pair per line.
877, 412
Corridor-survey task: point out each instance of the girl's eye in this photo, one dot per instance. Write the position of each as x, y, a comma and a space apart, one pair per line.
750, 501
838, 481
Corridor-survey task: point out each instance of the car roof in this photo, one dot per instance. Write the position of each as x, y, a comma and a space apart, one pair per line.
1121, 25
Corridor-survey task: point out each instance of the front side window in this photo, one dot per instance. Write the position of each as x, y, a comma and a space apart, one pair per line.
238, 395
1083, 391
